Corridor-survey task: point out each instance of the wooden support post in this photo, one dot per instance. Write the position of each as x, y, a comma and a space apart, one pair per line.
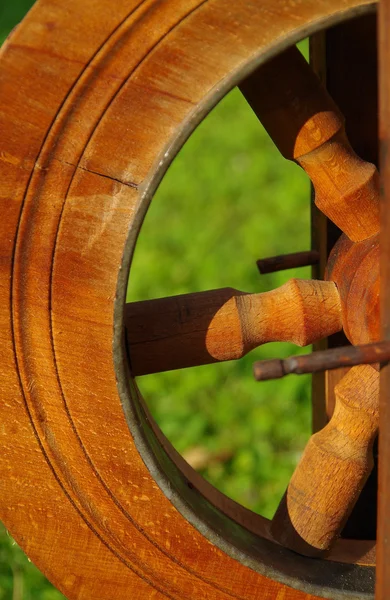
343, 57
383, 529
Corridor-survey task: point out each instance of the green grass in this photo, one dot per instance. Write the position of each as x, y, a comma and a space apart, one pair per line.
11, 13
228, 199
19, 578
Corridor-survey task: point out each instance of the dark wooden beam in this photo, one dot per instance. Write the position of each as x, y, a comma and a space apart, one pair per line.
383, 531
345, 57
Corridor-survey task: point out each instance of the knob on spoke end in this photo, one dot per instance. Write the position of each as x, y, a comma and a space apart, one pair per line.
195, 329
333, 469
307, 127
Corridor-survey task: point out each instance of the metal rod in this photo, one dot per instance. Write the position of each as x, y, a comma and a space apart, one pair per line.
347, 356
288, 261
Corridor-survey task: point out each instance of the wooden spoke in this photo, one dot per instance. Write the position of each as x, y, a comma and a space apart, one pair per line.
333, 469
96, 97
218, 325
307, 127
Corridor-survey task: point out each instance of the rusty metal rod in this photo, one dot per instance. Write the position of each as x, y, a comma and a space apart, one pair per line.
346, 356
287, 261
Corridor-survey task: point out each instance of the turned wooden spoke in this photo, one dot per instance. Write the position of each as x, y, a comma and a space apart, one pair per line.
333, 469
218, 325
307, 127
95, 99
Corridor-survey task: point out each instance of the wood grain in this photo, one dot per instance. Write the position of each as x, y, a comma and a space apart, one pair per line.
338, 459
205, 327
307, 127
355, 270
348, 56
321, 241
383, 526
95, 100
333, 469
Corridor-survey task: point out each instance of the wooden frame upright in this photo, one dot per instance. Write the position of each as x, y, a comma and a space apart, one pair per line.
82, 465
344, 57
383, 531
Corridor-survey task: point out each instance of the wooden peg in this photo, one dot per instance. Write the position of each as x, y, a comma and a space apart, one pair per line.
323, 360
307, 127
282, 262
201, 328
333, 469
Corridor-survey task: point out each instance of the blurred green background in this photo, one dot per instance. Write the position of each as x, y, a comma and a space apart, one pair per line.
228, 199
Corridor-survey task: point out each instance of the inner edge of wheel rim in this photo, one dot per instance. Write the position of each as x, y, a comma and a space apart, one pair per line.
237, 531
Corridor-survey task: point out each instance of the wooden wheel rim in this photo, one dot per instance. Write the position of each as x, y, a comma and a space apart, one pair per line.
55, 414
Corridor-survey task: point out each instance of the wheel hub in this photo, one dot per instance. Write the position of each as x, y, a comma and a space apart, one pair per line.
354, 268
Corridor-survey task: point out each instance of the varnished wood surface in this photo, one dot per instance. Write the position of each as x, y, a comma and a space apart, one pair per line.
205, 327
95, 99
320, 232
308, 127
383, 529
355, 270
348, 56
333, 469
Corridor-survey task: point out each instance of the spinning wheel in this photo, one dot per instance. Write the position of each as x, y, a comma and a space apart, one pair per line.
91, 489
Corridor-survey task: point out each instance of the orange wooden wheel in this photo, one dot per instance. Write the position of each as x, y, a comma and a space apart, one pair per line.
95, 100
